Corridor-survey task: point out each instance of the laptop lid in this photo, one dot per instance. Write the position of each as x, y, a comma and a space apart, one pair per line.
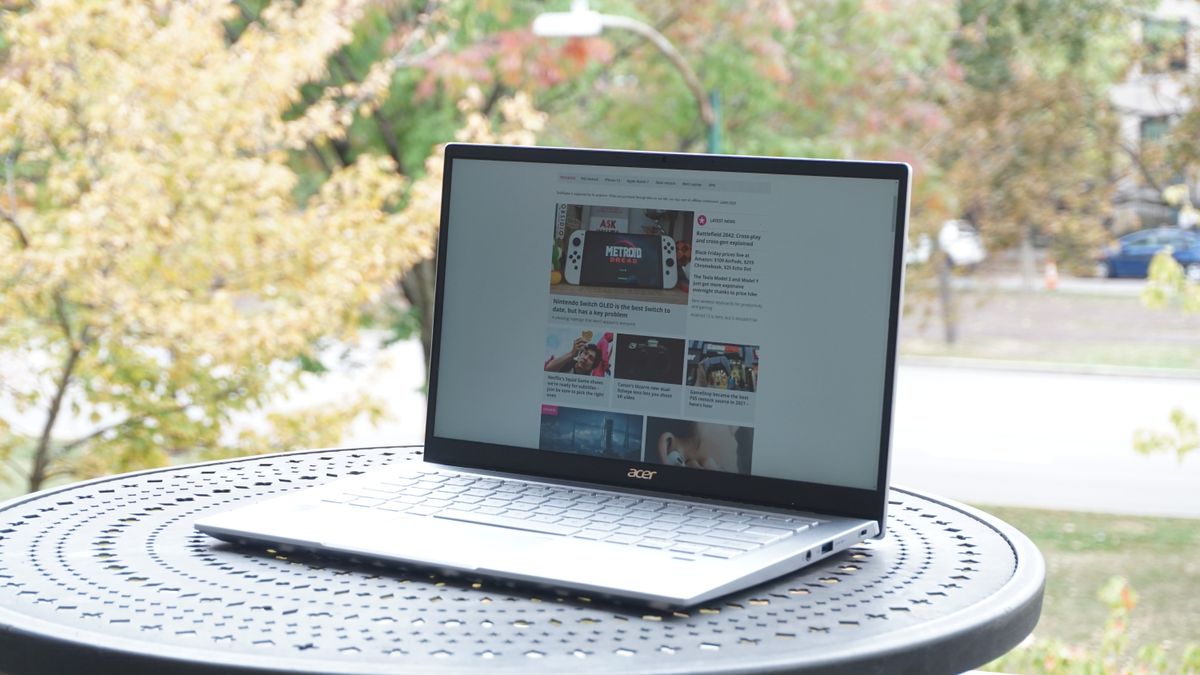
714, 326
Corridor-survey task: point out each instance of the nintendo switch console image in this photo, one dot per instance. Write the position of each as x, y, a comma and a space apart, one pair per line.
620, 259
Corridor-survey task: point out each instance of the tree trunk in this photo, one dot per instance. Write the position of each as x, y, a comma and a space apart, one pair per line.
1028, 271
41, 455
419, 285
946, 298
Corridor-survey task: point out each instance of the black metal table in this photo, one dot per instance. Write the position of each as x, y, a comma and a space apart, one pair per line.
109, 576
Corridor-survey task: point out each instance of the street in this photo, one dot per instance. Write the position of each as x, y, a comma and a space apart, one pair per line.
1052, 440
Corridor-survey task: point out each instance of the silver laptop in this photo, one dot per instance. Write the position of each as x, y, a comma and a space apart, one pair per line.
657, 377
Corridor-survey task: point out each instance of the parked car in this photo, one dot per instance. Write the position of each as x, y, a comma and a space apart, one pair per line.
962, 243
1130, 255
957, 238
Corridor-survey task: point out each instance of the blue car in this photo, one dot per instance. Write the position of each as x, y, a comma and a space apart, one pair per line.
1130, 255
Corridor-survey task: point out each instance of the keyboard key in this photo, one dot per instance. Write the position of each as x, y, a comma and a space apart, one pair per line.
739, 545
381, 489
718, 552
772, 531
623, 538
700, 539
503, 521
654, 542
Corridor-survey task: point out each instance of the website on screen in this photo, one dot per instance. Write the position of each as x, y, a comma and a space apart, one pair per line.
709, 320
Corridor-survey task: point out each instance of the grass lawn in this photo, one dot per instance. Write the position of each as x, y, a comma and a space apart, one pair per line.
1159, 556
1058, 329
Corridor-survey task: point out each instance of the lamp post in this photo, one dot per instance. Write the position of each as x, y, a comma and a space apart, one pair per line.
584, 22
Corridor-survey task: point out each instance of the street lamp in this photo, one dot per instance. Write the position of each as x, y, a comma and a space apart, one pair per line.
584, 22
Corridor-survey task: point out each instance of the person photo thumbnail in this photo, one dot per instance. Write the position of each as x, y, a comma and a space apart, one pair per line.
579, 351
718, 365
699, 445
591, 432
649, 359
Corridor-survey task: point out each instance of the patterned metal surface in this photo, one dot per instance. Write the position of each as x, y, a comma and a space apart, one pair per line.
116, 564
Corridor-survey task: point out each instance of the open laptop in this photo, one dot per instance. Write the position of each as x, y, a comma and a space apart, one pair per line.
658, 377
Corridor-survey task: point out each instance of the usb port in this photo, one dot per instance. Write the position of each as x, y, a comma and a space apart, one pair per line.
827, 547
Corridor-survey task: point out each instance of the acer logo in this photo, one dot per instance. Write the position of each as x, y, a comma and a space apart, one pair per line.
644, 474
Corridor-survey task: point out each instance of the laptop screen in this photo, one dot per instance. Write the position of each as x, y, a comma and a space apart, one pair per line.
731, 317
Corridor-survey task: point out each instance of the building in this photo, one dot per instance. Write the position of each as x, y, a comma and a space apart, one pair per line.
1151, 99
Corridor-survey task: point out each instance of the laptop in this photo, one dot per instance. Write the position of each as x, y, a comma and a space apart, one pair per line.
655, 377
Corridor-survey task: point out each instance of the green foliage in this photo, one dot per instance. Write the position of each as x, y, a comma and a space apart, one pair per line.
1001, 39
1167, 285
1034, 136
1183, 437
1054, 657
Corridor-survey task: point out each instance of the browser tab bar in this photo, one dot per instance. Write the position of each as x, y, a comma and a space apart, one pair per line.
674, 183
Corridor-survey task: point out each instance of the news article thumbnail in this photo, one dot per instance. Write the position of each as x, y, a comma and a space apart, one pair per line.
624, 253
699, 445
579, 351
650, 359
718, 365
591, 432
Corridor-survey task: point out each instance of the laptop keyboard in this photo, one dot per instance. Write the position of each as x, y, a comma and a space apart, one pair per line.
688, 530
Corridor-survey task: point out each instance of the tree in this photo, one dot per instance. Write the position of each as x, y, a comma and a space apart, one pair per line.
1168, 287
161, 268
1035, 138
847, 78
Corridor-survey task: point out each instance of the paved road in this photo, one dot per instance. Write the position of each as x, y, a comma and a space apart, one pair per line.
1051, 440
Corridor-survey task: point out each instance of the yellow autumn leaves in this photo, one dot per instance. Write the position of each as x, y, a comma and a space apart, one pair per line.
155, 261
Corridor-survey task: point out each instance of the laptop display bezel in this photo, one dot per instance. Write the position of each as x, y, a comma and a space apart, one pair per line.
758, 490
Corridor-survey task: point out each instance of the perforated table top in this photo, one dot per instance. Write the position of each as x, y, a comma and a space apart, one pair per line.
109, 576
